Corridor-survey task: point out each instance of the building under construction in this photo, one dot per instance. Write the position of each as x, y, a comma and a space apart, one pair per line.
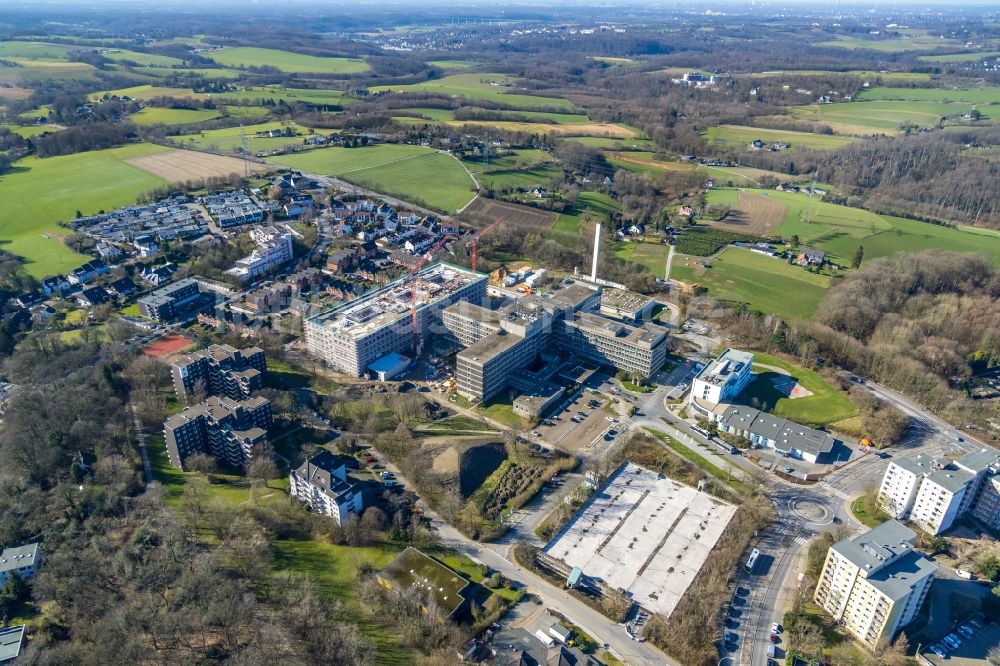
353, 336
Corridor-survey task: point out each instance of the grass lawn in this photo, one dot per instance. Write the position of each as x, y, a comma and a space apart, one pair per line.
698, 460
416, 174
613, 144
286, 61
741, 136
881, 116
229, 138
839, 230
982, 95
541, 174
161, 116
453, 64
974, 56
651, 256
497, 88
861, 73
32, 73
825, 405
251, 95
595, 204
501, 411
519, 159
918, 42
40, 192
866, 512
28, 131
764, 283
145, 59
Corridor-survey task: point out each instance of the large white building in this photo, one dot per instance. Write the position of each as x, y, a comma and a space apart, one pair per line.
274, 247
934, 493
874, 583
22, 560
722, 380
321, 482
353, 336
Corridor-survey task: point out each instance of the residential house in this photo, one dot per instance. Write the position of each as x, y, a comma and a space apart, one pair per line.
145, 245
54, 285
108, 250
808, 257
757, 144
341, 261
159, 276
92, 296
21, 560
88, 271
322, 483
123, 287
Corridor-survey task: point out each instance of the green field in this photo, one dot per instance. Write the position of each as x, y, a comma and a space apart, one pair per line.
882, 116
614, 144
230, 139
520, 159
286, 61
251, 95
862, 73
28, 131
31, 73
17, 49
413, 173
825, 405
651, 256
740, 135
480, 86
983, 95
974, 56
40, 192
453, 64
901, 45
540, 175
764, 283
162, 116
144, 59
839, 230
208, 73
595, 204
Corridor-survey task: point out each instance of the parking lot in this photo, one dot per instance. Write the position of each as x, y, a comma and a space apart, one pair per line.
561, 431
967, 644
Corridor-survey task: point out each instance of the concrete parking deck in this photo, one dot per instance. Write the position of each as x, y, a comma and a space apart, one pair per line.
643, 533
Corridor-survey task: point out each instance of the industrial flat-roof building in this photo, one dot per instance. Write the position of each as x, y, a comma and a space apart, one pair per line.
874, 583
626, 305
354, 335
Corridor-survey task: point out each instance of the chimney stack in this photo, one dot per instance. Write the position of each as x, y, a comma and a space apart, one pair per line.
597, 247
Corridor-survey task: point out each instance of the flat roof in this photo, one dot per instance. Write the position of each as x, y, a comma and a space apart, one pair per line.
644, 533
10, 642
886, 554
951, 480
722, 368
620, 299
413, 569
489, 347
572, 295
391, 362
391, 303
644, 335
977, 461
18, 557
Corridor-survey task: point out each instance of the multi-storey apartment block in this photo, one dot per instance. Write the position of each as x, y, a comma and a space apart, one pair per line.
220, 370
322, 483
874, 583
274, 248
353, 336
228, 429
22, 560
934, 493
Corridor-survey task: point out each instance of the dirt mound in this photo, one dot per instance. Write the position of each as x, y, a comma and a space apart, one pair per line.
470, 460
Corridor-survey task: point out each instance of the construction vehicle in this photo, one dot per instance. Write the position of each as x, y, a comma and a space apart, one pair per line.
524, 289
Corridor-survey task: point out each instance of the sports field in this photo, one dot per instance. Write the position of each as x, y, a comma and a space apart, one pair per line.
981, 95
764, 283
880, 116
825, 405
412, 173
497, 88
286, 61
740, 135
160, 116
40, 192
839, 230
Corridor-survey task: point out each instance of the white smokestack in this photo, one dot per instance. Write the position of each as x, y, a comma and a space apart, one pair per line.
597, 247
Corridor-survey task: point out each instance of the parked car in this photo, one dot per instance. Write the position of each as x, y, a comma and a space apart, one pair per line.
966, 631
939, 651
775, 628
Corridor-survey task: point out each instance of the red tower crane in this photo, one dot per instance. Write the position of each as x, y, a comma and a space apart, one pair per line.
413, 289
472, 244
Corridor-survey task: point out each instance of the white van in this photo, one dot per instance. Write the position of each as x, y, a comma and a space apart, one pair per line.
962, 573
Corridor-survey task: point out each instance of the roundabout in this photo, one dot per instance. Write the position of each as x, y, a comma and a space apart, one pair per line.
812, 511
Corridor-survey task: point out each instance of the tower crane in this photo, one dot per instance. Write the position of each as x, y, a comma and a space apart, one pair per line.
475, 239
413, 289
